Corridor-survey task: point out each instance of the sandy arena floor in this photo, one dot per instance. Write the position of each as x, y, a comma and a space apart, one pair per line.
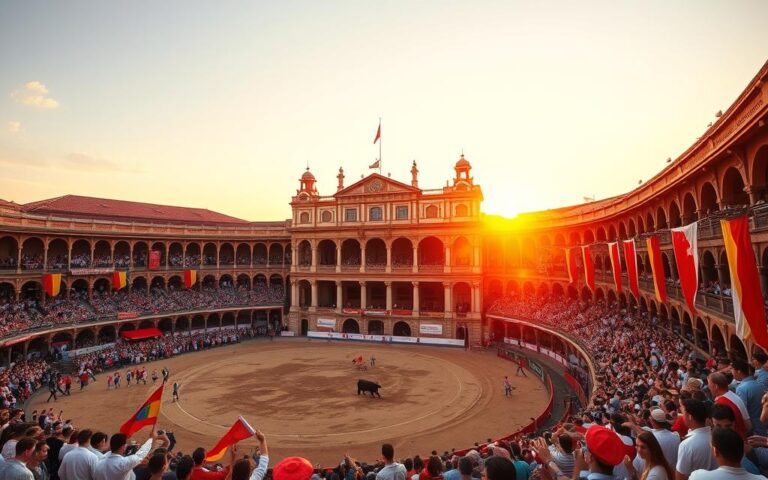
303, 396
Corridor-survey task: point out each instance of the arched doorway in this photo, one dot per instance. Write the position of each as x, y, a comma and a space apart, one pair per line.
401, 329
304, 327
350, 326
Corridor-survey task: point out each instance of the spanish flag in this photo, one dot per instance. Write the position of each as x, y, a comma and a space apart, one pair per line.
747, 297
119, 280
589, 267
570, 263
657, 268
146, 415
190, 278
241, 430
52, 284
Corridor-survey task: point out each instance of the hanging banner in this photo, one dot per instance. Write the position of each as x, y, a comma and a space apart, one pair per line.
52, 284
657, 269
630, 257
430, 329
685, 245
154, 259
570, 264
190, 278
589, 267
613, 250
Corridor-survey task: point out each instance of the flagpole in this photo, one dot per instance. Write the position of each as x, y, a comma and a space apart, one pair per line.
380, 140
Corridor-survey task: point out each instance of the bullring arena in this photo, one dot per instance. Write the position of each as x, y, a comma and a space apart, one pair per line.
302, 395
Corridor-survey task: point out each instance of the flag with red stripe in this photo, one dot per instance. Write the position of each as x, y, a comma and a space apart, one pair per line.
589, 267
685, 244
241, 430
613, 250
119, 280
146, 414
748, 309
52, 284
657, 268
378, 134
190, 278
570, 264
630, 258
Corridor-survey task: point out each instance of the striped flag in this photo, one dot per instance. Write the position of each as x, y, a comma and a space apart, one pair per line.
589, 267
119, 280
747, 296
146, 414
630, 257
52, 284
613, 250
657, 268
685, 245
241, 430
570, 263
190, 278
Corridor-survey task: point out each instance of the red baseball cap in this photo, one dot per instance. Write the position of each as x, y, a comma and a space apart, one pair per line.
605, 445
293, 468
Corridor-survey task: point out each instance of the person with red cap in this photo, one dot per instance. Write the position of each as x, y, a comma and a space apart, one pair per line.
293, 468
605, 450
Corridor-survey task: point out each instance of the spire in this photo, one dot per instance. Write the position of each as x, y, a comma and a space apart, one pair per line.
414, 175
340, 177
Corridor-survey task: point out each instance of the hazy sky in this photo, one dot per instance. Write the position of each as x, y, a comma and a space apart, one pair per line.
221, 104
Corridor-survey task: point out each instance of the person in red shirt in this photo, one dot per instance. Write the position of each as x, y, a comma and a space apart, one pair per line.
199, 472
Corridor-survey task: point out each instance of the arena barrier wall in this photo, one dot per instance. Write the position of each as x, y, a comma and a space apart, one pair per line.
386, 339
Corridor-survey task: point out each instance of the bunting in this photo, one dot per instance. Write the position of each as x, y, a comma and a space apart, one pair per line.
613, 250
589, 267
190, 278
747, 296
52, 284
630, 258
119, 280
684, 243
657, 268
570, 264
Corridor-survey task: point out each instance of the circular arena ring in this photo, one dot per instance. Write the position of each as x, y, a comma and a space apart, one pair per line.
303, 396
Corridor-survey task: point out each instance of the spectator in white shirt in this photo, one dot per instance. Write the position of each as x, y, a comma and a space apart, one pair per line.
115, 466
16, 468
78, 463
728, 449
98, 444
694, 452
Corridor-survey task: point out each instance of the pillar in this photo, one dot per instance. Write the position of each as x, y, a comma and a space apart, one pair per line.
415, 258
294, 293
476, 259
415, 298
363, 296
389, 295
314, 259
362, 259
294, 257
448, 304
477, 299
313, 300
339, 296
45, 258
389, 259
218, 255
447, 259
338, 258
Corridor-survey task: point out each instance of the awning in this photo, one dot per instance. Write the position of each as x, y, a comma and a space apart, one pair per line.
141, 333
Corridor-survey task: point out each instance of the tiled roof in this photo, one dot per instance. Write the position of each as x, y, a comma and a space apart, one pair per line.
121, 210
7, 204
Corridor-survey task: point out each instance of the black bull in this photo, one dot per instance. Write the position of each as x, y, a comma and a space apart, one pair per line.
368, 386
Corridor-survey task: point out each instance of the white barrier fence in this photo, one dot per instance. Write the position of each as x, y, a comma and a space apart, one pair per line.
450, 342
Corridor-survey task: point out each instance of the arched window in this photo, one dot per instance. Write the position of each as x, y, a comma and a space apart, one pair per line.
431, 211
304, 217
461, 210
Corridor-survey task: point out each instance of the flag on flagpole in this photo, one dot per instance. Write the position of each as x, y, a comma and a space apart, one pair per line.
630, 258
589, 267
190, 278
613, 249
657, 268
52, 284
570, 263
378, 134
685, 244
241, 430
748, 309
119, 280
146, 414
375, 164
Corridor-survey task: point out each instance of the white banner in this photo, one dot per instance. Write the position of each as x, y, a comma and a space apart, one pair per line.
87, 350
385, 338
431, 329
287, 333
326, 322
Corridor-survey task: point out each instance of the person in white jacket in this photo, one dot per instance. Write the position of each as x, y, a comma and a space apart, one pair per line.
116, 466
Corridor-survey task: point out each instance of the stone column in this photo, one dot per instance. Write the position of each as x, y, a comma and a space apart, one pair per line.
415, 258
389, 295
363, 296
338, 258
415, 298
389, 259
477, 299
314, 259
339, 296
362, 259
45, 259
447, 263
448, 304
294, 293
294, 257
476, 262
313, 287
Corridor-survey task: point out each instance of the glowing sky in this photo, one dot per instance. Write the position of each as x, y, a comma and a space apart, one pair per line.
221, 104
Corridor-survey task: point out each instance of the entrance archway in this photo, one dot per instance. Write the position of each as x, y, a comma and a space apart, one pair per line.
401, 329
350, 326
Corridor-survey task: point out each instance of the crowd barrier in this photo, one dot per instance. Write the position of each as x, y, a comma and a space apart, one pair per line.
386, 339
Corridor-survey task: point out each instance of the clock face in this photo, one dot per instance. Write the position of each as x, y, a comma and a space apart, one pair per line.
376, 186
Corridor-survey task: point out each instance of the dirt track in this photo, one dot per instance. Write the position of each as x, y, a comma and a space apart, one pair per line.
303, 395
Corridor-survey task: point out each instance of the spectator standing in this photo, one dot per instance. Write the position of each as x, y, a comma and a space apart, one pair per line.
728, 449
79, 462
16, 468
751, 392
391, 470
115, 466
694, 452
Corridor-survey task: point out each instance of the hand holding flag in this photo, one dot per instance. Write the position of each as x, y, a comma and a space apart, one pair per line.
146, 414
241, 430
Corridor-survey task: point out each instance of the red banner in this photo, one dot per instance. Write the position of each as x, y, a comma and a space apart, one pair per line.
613, 250
52, 284
630, 257
154, 259
190, 278
589, 267
685, 244
657, 269
570, 263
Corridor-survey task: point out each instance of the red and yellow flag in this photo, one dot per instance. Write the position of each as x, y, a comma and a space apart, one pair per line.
146, 415
241, 430
570, 264
52, 284
613, 250
119, 280
630, 258
589, 267
190, 278
747, 296
657, 268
